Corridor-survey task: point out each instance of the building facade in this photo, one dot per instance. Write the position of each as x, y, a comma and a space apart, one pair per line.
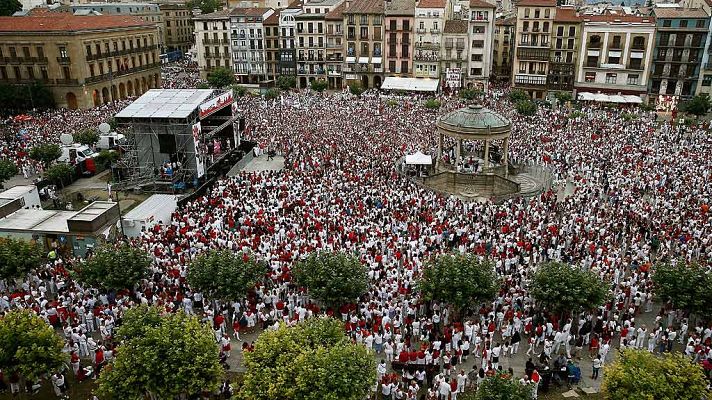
679, 49
179, 26
146, 11
616, 54
364, 28
248, 43
399, 20
335, 46
272, 45
565, 38
84, 60
482, 33
503, 52
429, 22
535, 19
454, 53
288, 41
212, 41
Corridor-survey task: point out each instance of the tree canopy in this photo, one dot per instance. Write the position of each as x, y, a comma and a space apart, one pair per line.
23, 97
164, 356
221, 77
116, 268
500, 387
8, 169
205, 6
459, 280
356, 89
224, 275
526, 107
565, 288
686, 287
286, 82
28, 345
518, 95
640, 375
46, 153
9, 7
313, 360
18, 257
60, 174
471, 94
87, 137
319, 85
333, 278
698, 105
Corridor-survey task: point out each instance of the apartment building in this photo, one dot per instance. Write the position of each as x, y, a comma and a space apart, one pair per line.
179, 26
335, 46
616, 54
248, 46
535, 19
503, 52
288, 41
565, 38
429, 22
85, 60
364, 26
681, 36
212, 41
271, 25
481, 45
311, 40
146, 11
399, 20
454, 53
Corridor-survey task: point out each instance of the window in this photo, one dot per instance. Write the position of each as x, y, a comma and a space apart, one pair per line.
547, 13
476, 57
616, 42
683, 23
614, 59
592, 61
707, 80
700, 23
477, 71
404, 67
393, 26
560, 31
45, 74
31, 72
537, 13
572, 31
392, 65
633, 79
666, 23
63, 52
406, 25
526, 13
3, 73
18, 75
611, 78
590, 77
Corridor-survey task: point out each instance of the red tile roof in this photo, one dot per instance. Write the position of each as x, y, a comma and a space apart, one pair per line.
617, 18
249, 12
481, 4
566, 15
455, 26
431, 4
65, 22
337, 13
365, 7
272, 19
537, 3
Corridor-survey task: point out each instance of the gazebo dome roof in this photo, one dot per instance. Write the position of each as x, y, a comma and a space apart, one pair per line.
474, 119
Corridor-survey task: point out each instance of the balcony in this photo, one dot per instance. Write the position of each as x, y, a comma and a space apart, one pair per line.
378, 70
332, 72
334, 46
533, 54
63, 60
427, 45
66, 81
237, 36
114, 74
530, 80
426, 57
435, 31
420, 30
448, 44
334, 58
215, 41
594, 45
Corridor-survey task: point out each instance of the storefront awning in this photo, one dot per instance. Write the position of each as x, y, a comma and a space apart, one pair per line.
363, 60
376, 60
612, 98
410, 84
350, 60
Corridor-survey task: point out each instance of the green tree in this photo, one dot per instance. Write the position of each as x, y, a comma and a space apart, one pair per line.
566, 288
88, 137
271, 94
205, 6
203, 85
8, 169
116, 268
46, 153
332, 278
286, 82
9, 7
25, 97
640, 375
697, 106
563, 97
239, 90
106, 157
224, 275
164, 357
518, 95
356, 89
60, 174
526, 107
29, 346
470, 94
18, 257
432, 104
221, 77
319, 85
500, 387
313, 360
459, 280
685, 287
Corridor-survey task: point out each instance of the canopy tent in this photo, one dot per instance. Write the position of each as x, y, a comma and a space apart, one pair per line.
410, 84
612, 98
418, 159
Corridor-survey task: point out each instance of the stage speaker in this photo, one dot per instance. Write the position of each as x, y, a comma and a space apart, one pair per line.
242, 124
167, 144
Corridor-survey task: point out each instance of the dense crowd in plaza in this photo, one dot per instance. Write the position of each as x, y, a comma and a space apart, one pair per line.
641, 197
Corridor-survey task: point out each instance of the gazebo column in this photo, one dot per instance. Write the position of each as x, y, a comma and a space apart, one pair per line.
506, 157
440, 149
486, 154
459, 154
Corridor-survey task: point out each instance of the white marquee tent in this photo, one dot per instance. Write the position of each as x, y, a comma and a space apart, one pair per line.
410, 84
605, 98
418, 159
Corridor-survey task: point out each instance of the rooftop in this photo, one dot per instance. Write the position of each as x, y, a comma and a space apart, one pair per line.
474, 119
365, 7
455, 26
249, 12
222, 14
149, 206
431, 4
400, 7
618, 18
65, 22
337, 13
566, 15
481, 4
37, 220
166, 103
537, 3
272, 19
680, 13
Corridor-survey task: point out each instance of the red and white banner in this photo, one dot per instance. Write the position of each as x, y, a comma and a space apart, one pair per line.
199, 163
215, 104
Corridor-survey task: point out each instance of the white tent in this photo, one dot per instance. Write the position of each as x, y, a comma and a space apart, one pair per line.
633, 99
616, 99
411, 84
418, 159
585, 96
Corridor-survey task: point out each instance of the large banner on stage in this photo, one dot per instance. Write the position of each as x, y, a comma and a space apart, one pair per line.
199, 156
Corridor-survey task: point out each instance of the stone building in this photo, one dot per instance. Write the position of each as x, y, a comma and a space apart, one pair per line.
85, 60
399, 21
364, 26
212, 41
248, 43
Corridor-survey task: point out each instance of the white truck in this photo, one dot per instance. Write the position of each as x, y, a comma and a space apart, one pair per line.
111, 140
76, 153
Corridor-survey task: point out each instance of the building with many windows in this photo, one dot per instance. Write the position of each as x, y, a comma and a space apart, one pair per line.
364, 28
179, 26
481, 30
679, 48
454, 52
616, 54
146, 11
85, 60
503, 51
272, 45
399, 20
311, 40
565, 37
288, 41
248, 46
429, 22
535, 19
212, 41
335, 46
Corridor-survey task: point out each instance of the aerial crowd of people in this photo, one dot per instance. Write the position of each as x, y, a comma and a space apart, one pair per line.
640, 196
